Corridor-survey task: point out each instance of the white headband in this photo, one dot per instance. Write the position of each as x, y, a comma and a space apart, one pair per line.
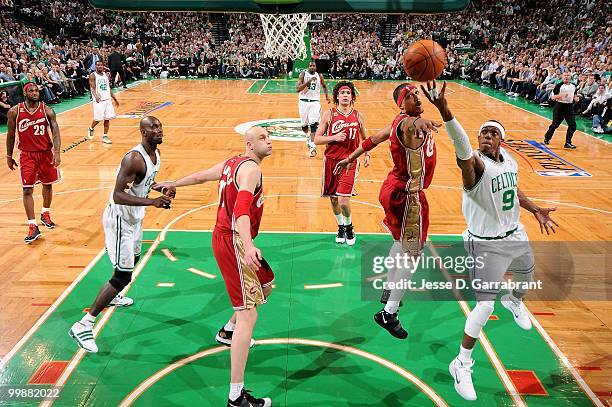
493, 124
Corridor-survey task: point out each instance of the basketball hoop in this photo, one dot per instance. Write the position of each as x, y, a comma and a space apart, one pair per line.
285, 35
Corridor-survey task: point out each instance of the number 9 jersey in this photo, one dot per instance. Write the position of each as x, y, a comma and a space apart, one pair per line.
491, 208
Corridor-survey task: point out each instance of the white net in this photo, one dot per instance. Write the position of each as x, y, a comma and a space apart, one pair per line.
285, 35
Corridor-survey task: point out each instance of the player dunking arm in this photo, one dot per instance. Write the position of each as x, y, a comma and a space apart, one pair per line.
309, 87
342, 130
39, 156
401, 195
122, 222
491, 207
103, 109
248, 277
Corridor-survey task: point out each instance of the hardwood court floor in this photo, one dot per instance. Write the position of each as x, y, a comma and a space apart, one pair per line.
199, 132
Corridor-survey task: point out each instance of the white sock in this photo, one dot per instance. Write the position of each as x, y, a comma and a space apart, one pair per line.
235, 390
105, 135
229, 326
32, 222
88, 320
347, 220
45, 210
339, 219
391, 307
465, 355
90, 129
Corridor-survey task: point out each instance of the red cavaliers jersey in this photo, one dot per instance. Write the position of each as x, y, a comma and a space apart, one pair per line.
228, 192
350, 124
33, 129
413, 169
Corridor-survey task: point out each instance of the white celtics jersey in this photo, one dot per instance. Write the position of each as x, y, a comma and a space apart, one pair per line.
102, 86
491, 208
133, 214
313, 91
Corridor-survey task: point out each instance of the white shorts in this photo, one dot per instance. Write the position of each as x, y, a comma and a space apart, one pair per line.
123, 240
103, 110
310, 112
512, 253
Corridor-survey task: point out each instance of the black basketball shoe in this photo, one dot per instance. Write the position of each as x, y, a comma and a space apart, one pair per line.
341, 236
391, 323
248, 400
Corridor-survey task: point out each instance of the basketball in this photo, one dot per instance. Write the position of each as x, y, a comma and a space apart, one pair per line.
424, 60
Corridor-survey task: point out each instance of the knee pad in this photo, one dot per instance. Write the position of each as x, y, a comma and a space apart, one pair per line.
120, 279
314, 127
478, 318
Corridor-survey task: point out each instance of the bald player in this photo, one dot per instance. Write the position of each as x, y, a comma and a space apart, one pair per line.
122, 222
248, 277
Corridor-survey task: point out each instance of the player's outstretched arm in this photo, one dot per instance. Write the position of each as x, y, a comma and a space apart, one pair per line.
366, 145
132, 166
10, 137
471, 166
247, 177
55, 132
200, 177
542, 215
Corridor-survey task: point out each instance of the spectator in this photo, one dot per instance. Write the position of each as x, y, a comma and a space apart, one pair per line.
600, 121
6, 74
4, 106
91, 59
586, 92
598, 102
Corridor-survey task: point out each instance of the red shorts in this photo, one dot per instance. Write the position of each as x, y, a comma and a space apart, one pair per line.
342, 184
406, 217
37, 167
244, 284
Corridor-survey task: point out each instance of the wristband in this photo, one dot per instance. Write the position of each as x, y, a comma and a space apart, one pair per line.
243, 204
368, 144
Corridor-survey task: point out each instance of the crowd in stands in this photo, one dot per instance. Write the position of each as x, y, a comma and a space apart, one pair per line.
520, 48
523, 47
349, 46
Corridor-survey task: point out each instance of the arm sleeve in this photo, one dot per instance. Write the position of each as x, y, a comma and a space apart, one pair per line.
463, 149
243, 204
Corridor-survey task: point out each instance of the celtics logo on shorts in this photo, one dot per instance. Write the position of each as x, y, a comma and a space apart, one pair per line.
279, 129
